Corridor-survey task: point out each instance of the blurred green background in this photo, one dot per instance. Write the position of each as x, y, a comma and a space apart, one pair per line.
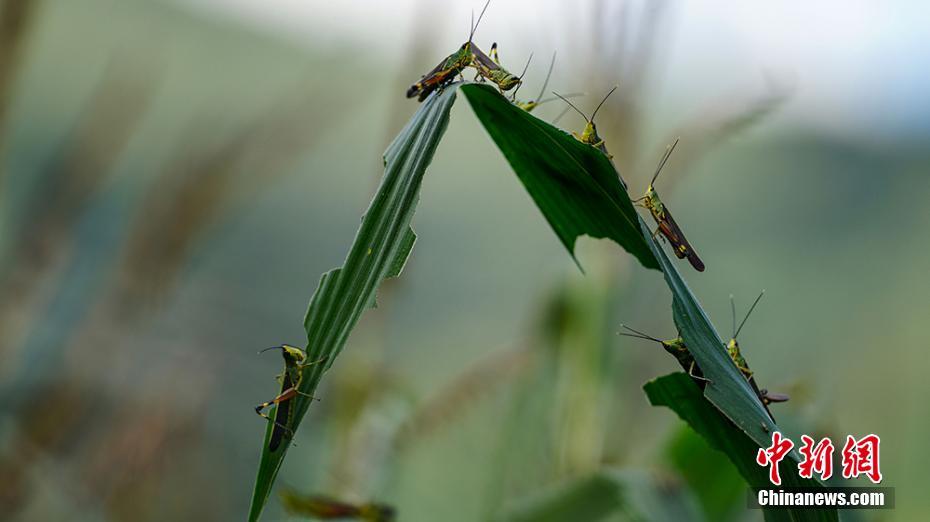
177, 175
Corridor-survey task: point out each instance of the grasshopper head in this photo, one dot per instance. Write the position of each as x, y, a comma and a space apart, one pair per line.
733, 348
293, 353
459, 59
464, 53
527, 106
676, 345
589, 135
651, 200
507, 81
734, 353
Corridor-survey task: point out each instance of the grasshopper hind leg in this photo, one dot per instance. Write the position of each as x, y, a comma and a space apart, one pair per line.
259, 410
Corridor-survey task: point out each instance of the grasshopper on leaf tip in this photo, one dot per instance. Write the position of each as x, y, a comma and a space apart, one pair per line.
452, 66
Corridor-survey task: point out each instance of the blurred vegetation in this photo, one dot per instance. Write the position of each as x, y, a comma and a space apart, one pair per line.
172, 186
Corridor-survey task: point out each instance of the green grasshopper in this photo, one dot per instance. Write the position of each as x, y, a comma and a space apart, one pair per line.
734, 352
676, 347
589, 134
294, 364
452, 66
733, 345
442, 75
490, 69
326, 508
530, 105
663, 217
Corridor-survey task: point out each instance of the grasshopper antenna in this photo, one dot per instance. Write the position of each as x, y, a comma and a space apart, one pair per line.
474, 26
271, 348
561, 115
751, 308
520, 84
546, 83
569, 95
570, 104
663, 161
733, 315
637, 334
602, 102
525, 67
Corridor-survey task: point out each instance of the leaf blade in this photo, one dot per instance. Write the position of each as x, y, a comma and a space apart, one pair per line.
578, 190
574, 185
728, 390
678, 392
379, 250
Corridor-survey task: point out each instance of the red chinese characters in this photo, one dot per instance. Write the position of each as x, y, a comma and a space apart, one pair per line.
774, 454
860, 457
817, 458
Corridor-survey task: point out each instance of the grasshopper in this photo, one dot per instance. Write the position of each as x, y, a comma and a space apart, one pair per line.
442, 75
667, 224
734, 352
490, 68
733, 345
326, 508
294, 364
589, 134
452, 66
530, 105
676, 347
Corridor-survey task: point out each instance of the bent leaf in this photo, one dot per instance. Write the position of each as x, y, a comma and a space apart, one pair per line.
579, 192
728, 390
380, 250
574, 185
678, 392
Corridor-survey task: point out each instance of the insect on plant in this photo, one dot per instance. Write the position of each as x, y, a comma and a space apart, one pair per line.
452, 66
667, 224
491, 69
326, 508
530, 105
294, 364
676, 347
734, 352
589, 134
733, 345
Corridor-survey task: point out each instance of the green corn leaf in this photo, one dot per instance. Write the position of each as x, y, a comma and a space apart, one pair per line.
678, 392
380, 250
728, 390
579, 191
574, 185
691, 457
